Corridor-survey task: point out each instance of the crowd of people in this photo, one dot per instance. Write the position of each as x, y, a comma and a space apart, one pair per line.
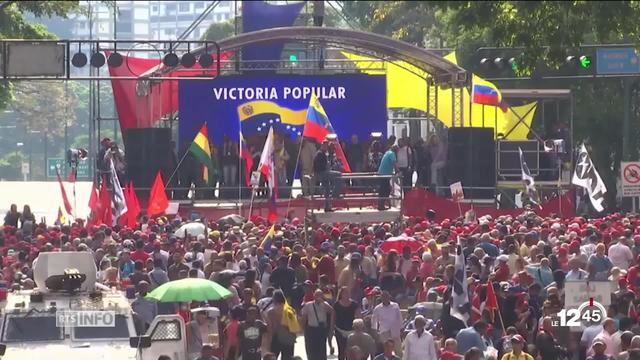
372, 303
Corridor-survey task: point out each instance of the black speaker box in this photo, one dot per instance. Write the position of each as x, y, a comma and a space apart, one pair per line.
472, 160
147, 150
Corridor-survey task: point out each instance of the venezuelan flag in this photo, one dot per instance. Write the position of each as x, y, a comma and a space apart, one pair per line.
201, 150
268, 239
486, 95
318, 126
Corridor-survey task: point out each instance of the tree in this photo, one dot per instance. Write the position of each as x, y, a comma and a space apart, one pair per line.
43, 106
13, 25
219, 31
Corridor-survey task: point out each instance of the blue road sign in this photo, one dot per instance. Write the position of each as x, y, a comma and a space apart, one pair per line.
616, 61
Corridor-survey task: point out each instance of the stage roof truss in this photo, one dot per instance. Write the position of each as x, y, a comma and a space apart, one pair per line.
439, 69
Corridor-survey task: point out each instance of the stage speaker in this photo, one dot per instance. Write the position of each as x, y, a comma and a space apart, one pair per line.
147, 150
472, 160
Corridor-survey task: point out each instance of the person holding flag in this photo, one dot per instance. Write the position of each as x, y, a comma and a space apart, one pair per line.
318, 128
324, 173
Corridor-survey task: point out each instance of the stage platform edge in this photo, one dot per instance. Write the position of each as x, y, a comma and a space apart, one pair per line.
366, 215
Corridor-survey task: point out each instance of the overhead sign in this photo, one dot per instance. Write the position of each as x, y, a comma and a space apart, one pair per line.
52, 163
616, 61
630, 178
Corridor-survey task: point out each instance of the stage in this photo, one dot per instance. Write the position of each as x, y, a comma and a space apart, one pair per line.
415, 203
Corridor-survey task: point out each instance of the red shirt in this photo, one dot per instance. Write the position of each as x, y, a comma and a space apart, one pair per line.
139, 255
311, 271
502, 273
448, 355
327, 266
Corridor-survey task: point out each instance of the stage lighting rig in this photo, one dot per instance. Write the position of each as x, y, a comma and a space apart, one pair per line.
171, 60
188, 60
115, 59
97, 59
79, 59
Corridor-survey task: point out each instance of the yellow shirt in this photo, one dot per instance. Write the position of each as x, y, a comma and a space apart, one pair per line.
511, 356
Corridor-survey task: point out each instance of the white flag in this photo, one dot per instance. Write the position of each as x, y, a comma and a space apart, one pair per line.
118, 203
528, 181
459, 293
267, 164
586, 176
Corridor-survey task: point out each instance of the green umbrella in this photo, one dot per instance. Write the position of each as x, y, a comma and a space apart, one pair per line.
190, 289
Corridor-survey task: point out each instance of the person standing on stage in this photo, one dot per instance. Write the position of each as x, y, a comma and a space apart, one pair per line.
322, 171
405, 163
388, 166
306, 165
282, 158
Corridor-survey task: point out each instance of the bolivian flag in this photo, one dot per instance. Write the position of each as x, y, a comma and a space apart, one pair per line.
201, 150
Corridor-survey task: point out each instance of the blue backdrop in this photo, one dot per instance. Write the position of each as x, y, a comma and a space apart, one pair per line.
354, 103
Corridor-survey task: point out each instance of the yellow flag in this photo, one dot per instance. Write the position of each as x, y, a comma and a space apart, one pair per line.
402, 76
290, 318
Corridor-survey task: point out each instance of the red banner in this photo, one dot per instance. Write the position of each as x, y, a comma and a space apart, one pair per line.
418, 201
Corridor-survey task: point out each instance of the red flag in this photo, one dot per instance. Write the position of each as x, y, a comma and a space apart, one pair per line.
65, 199
72, 175
93, 199
133, 206
158, 201
104, 211
491, 303
94, 205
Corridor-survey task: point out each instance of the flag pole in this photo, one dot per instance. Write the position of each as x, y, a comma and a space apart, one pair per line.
178, 166
295, 169
504, 332
75, 202
253, 193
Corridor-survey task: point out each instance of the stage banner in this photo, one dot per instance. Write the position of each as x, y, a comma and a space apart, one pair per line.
355, 103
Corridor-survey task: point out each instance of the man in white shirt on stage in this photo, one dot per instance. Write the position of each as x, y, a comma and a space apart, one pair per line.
419, 345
